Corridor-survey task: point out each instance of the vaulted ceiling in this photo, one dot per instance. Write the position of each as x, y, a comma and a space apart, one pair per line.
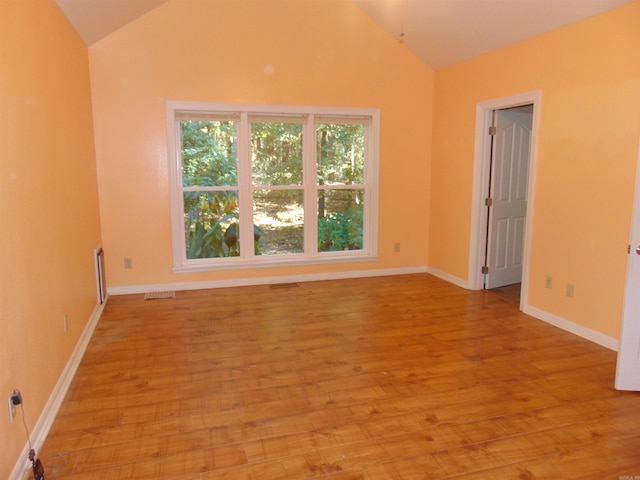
440, 32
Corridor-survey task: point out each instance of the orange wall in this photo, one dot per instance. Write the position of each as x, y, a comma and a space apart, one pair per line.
217, 52
329, 54
589, 75
48, 207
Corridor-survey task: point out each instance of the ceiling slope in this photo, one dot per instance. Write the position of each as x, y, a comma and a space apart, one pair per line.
444, 32
95, 19
440, 32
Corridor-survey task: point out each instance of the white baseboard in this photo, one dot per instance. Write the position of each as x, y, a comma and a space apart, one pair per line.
569, 326
562, 323
448, 277
48, 415
56, 398
244, 282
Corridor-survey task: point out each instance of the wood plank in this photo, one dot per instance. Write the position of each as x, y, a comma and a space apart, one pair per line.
380, 378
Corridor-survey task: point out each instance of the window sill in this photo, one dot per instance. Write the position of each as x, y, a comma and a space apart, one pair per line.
264, 262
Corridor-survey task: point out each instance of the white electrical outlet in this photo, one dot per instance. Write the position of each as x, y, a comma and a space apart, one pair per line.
14, 399
570, 290
12, 408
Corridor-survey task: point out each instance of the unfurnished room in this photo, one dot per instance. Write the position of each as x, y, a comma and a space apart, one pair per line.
332, 239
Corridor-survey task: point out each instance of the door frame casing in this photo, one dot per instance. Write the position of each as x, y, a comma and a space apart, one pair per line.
480, 191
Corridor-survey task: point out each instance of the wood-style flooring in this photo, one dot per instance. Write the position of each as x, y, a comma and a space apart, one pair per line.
509, 292
397, 378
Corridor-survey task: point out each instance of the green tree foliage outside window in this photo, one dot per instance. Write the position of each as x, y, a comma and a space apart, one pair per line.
340, 162
276, 153
209, 159
209, 154
277, 161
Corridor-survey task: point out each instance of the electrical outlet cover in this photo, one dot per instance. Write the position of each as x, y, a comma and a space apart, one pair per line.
12, 408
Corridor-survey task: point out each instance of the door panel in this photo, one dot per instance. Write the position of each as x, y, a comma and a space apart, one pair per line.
509, 175
628, 370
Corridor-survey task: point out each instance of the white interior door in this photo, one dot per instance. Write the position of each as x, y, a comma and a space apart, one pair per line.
508, 193
628, 369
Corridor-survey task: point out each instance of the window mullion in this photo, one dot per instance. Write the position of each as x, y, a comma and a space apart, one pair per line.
176, 189
245, 190
371, 177
310, 189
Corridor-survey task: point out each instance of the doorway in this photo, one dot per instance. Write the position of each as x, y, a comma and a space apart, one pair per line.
504, 179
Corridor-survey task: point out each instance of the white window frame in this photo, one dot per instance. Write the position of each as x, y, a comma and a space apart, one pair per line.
247, 258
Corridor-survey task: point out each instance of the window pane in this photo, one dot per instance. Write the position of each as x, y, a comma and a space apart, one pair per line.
279, 219
276, 153
209, 153
211, 224
340, 220
340, 154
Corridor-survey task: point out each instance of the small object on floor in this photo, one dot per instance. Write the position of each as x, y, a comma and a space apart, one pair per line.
38, 469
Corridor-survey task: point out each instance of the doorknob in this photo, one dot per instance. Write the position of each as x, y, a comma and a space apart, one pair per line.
638, 249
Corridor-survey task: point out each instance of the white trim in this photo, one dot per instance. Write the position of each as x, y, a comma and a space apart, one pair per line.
572, 327
448, 277
175, 183
372, 181
292, 260
257, 108
368, 117
43, 425
477, 245
51, 408
244, 282
562, 323
245, 202
101, 288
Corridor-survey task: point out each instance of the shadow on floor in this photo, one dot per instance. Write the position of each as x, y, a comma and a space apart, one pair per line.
508, 292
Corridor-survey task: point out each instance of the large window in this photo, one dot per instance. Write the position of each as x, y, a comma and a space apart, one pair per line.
255, 185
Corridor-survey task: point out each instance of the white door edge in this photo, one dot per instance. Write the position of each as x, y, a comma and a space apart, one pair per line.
628, 362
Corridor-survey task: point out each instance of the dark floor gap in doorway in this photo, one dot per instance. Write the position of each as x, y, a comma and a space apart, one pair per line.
508, 292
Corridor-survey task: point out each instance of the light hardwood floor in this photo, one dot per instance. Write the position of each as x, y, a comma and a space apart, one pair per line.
404, 377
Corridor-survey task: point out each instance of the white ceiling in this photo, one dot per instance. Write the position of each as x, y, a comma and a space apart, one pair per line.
443, 32
95, 19
440, 32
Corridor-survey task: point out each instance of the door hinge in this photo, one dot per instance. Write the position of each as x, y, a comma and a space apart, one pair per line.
488, 202
628, 249
485, 269
493, 130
